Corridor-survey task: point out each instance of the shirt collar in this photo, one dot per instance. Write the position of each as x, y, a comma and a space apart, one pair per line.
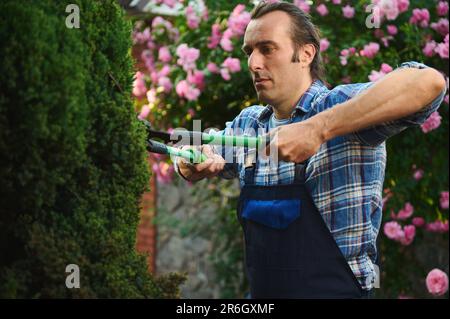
303, 104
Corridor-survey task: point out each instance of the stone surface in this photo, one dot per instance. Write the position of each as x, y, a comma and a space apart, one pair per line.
189, 253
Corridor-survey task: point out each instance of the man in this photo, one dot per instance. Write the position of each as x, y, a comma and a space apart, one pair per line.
310, 222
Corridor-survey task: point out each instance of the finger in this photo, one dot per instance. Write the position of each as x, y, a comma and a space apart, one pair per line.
213, 169
204, 165
216, 167
207, 150
220, 162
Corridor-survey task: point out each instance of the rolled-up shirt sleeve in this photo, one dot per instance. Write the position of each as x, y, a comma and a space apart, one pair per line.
375, 135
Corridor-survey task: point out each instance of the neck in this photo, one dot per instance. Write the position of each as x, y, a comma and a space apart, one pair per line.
284, 109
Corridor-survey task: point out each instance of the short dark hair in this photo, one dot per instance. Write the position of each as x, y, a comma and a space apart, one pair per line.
303, 31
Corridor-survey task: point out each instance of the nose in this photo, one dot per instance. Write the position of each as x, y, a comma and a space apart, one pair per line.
255, 61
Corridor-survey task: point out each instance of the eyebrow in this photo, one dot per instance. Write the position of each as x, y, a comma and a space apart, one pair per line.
260, 43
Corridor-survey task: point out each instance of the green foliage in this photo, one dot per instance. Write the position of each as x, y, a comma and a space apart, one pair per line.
73, 158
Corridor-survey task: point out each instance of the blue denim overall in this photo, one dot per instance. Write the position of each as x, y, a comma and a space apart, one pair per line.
289, 251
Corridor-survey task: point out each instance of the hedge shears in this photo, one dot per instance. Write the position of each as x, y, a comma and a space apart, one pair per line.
195, 138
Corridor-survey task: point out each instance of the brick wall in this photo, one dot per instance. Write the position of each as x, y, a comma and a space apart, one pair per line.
146, 231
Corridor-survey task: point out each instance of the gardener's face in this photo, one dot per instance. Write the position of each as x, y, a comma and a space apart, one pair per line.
268, 45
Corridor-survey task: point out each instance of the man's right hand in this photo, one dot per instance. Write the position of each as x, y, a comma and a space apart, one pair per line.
209, 168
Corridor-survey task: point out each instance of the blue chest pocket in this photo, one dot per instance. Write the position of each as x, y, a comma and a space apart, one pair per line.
277, 214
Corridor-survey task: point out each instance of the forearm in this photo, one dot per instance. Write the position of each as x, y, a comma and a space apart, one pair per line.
398, 94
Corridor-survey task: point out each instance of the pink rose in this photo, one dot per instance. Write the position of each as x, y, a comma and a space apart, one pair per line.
420, 17
225, 73
165, 70
142, 37
444, 200
164, 54
375, 75
225, 42
215, 37
324, 44
151, 96
432, 123
437, 226
193, 20
429, 48
147, 58
322, 10
393, 230
437, 282
185, 90
418, 221
442, 8
418, 174
187, 56
409, 232
402, 5
197, 78
139, 88
232, 64
303, 5
144, 112
388, 8
212, 67
370, 50
406, 212
165, 83
385, 40
392, 29
348, 12
386, 68
161, 22
238, 20
391, 10
442, 50
441, 26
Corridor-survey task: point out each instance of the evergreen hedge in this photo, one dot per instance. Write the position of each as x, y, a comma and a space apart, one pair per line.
72, 155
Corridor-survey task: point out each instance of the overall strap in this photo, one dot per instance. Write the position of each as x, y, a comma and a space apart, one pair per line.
250, 161
300, 172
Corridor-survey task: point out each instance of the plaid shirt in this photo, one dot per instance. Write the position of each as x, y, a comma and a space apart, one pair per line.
345, 177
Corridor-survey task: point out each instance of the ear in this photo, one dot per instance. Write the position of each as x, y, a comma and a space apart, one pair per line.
307, 54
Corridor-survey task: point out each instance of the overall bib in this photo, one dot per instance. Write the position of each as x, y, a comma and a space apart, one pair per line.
289, 251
